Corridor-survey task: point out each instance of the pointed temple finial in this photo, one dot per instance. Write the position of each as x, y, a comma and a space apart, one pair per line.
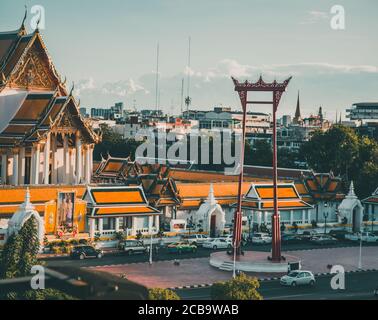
27, 205
351, 189
211, 198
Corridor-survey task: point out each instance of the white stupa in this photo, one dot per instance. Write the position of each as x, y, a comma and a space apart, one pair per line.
352, 209
23, 214
212, 215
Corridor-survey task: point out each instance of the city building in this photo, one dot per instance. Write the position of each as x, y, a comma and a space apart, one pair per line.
363, 111
115, 112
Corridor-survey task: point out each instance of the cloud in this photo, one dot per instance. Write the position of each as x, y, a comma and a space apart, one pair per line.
84, 84
320, 83
123, 88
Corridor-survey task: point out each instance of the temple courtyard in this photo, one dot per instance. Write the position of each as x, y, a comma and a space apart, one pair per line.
197, 271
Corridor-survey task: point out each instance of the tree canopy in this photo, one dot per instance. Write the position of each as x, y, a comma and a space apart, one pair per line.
345, 153
242, 287
162, 294
114, 144
20, 251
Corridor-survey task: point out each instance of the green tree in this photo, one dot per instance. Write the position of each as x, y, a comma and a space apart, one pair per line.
260, 154
30, 246
114, 144
242, 287
20, 251
10, 257
336, 149
40, 294
346, 153
162, 294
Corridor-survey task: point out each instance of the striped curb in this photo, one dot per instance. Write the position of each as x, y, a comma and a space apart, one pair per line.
268, 279
194, 286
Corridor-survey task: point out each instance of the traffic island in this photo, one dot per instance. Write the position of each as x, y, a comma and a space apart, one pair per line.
251, 261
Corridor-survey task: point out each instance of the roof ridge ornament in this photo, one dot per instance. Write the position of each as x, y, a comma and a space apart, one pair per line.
23, 28
72, 89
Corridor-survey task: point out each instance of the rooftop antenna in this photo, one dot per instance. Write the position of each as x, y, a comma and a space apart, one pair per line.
182, 95
188, 100
157, 101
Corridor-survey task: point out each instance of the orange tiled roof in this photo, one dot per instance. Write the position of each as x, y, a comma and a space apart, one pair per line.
205, 176
284, 192
117, 201
12, 197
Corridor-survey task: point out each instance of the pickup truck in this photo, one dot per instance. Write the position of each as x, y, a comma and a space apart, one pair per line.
366, 237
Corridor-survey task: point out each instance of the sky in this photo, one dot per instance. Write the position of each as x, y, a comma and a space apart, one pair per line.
108, 49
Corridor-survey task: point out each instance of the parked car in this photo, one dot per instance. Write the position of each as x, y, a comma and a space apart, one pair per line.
308, 234
376, 292
323, 240
338, 234
196, 239
261, 238
218, 243
182, 247
133, 246
230, 238
289, 237
298, 278
366, 237
85, 251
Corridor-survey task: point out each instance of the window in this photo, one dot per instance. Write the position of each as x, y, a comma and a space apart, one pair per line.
108, 223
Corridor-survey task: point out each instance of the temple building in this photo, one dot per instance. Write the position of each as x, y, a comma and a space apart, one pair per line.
179, 193
258, 204
46, 147
43, 137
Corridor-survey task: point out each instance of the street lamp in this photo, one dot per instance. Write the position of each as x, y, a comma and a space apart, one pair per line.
151, 249
249, 225
235, 247
325, 215
360, 255
372, 221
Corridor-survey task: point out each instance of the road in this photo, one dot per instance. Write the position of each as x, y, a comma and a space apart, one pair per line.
358, 286
121, 258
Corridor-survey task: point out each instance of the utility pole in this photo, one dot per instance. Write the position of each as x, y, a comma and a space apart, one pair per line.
157, 95
182, 96
188, 100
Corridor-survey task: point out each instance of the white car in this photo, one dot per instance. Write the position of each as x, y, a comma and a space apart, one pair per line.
298, 278
261, 238
196, 239
366, 237
218, 243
